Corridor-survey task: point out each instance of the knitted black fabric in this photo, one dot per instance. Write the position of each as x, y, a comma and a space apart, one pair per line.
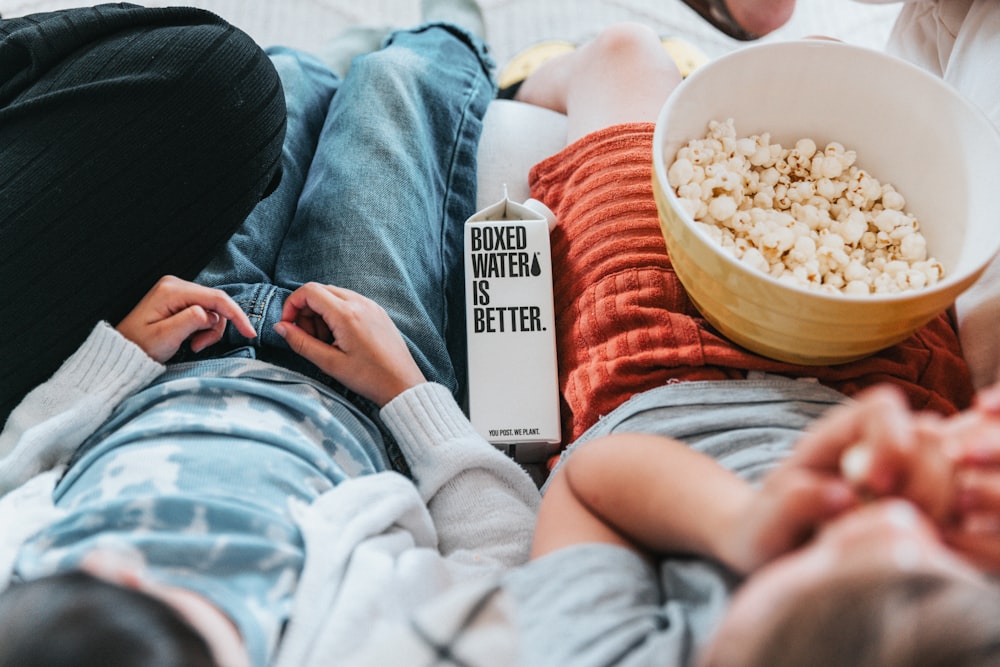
133, 142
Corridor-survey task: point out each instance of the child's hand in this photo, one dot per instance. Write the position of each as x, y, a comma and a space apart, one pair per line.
808, 489
948, 467
351, 338
784, 513
869, 441
972, 442
176, 310
884, 449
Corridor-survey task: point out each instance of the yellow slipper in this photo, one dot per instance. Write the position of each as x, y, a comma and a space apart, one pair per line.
524, 64
685, 55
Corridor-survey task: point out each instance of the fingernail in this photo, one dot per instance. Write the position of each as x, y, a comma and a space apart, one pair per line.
281, 329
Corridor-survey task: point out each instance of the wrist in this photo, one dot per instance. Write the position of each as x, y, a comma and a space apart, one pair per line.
731, 533
396, 387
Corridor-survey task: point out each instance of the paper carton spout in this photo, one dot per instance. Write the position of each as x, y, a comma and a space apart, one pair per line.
543, 210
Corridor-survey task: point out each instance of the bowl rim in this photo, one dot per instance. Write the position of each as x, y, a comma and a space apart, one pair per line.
951, 281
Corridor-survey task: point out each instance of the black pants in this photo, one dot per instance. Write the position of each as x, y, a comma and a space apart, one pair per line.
133, 142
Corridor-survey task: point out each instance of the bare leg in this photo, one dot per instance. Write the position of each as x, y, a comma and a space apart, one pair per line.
623, 75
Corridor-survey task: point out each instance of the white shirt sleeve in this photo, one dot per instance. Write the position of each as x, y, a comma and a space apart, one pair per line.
959, 41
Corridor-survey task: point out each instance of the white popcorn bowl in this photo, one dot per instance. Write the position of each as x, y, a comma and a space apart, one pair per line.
908, 128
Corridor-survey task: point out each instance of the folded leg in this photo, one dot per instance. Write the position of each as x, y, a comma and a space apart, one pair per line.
133, 142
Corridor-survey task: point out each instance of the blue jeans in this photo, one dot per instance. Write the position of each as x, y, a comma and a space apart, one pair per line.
379, 176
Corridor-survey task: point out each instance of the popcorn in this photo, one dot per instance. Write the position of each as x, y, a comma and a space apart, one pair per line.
722, 208
806, 215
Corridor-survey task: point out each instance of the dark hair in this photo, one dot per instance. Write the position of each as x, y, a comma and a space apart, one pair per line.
902, 620
77, 619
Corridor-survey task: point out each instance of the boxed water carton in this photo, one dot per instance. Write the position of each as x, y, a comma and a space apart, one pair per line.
513, 376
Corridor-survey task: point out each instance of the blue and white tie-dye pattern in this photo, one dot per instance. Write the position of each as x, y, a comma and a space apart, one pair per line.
197, 472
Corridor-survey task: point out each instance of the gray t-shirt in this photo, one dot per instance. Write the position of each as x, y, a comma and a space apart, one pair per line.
601, 605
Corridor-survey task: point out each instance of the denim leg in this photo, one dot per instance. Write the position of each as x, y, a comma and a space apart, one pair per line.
390, 188
392, 181
246, 266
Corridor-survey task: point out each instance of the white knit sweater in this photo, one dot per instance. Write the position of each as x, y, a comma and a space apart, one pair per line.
380, 549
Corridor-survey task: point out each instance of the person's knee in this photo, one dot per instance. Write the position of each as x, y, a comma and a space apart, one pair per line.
623, 54
220, 97
628, 63
630, 45
185, 72
220, 63
402, 81
218, 94
625, 37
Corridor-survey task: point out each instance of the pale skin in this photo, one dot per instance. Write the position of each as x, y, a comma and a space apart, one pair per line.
626, 63
351, 338
348, 336
175, 311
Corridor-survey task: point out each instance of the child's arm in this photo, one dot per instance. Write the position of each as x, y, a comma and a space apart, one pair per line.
658, 496
641, 491
55, 417
482, 503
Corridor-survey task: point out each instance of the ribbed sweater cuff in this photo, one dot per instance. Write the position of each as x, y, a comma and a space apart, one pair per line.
107, 363
447, 455
424, 418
